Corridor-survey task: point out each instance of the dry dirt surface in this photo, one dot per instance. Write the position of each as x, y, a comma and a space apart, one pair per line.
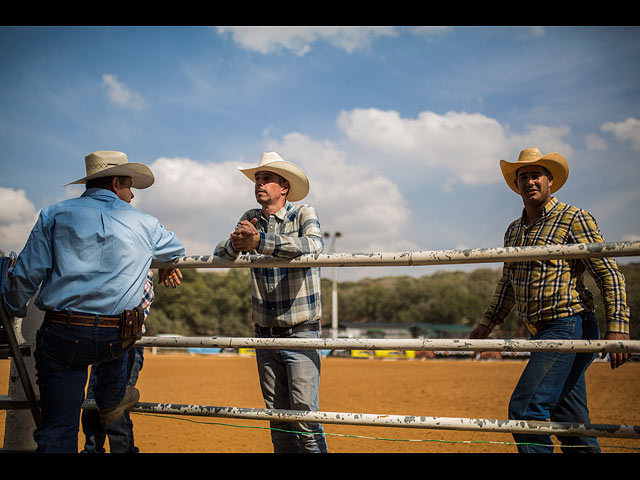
431, 387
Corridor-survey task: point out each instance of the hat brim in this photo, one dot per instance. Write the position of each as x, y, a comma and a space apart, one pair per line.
141, 175
298, 181
554, 162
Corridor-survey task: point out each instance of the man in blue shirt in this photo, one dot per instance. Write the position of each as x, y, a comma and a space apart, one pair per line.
89, 256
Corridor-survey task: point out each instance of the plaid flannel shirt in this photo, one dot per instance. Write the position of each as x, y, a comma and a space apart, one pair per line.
284, 297
147, 296
544, 290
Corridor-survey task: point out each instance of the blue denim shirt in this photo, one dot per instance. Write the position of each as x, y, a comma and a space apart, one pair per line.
88, 254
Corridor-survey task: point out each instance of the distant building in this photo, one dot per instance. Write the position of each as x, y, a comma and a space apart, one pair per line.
401, 330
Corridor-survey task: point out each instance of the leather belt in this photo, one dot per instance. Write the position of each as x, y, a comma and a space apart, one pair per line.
83, 319
286, 331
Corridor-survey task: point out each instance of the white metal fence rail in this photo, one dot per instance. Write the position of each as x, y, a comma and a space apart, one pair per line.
486, 345
441, 257
434, 257
401, 421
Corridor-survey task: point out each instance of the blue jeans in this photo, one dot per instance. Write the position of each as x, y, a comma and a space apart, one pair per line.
120, 431
552, 387
290, 380
62, 357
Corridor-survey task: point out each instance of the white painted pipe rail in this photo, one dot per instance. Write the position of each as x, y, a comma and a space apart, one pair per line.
403, 421
510, 254
485, 345
435, 257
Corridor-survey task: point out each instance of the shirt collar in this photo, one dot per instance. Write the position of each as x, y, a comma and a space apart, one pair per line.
546, 210
551, 204
95, 192
280, 214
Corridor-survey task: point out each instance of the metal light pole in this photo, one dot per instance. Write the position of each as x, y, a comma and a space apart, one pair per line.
334, 290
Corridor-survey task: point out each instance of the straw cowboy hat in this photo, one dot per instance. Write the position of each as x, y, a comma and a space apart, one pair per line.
272, 162
106, 163
554, 162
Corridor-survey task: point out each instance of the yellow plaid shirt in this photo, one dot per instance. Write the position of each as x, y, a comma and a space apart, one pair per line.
544, 290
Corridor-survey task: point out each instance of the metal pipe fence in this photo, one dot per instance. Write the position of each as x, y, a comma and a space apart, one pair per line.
402, 421
441, 257
423, 258
418, 344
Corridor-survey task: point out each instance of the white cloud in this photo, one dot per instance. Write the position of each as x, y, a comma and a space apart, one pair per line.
546, 138
466, 144
120, 94
299, 39
367, 208
595, 142
17, 217
627, 130
201, 203
425, 31
537, 31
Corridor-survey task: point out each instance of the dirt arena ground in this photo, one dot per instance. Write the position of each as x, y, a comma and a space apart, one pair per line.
440, 388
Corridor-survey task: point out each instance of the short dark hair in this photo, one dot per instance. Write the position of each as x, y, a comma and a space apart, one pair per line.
104, 182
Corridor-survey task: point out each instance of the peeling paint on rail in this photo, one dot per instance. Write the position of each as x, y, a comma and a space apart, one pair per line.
406, 421
426, 344
420, 258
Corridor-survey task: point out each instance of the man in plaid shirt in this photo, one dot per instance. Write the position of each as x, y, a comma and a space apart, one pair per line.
553, 302
285, 301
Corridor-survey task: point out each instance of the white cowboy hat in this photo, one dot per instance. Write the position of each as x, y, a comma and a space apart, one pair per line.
106, 163
554, 162
272, 162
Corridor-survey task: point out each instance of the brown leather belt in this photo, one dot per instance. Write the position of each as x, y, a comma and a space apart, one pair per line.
83, 319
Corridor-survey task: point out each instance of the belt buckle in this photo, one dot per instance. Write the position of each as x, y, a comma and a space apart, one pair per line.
286, 331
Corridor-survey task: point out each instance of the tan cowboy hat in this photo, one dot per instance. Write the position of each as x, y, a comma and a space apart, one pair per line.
272, 162
106, 163
554, 162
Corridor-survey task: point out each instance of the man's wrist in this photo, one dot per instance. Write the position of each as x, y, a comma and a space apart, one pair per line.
264, 247
484, 324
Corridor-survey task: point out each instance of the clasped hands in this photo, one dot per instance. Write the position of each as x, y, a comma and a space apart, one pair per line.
245, 237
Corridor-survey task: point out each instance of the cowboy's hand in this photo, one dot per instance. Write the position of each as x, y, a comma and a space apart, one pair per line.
616, 359
480, 332
170, 276
245, 227
245, 237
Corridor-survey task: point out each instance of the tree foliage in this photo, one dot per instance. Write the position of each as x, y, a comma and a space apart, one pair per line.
219, 303
205, 304
443, 298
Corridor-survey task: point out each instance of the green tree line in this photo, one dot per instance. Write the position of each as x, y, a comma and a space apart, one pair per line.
214, 303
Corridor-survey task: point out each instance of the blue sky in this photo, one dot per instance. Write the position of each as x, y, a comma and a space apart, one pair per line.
400, 129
